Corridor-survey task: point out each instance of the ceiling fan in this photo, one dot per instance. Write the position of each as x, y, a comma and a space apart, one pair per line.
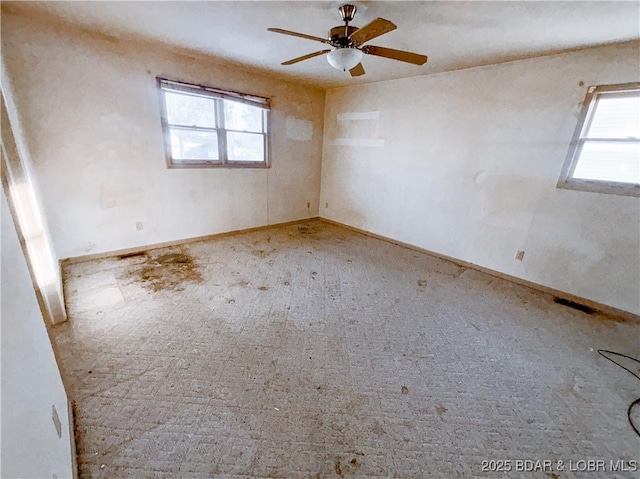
348, 44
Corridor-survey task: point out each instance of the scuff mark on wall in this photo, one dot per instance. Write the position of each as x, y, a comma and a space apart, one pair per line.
56, 420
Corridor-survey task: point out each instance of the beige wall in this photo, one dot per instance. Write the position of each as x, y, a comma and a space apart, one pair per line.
466, 163
463, 163
89, 106
31, 383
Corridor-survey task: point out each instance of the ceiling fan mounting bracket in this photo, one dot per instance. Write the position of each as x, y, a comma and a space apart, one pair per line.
347, 12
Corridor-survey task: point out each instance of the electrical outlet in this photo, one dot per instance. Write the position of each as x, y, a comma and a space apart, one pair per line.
520, 255
326, 205
139, 226
308, 204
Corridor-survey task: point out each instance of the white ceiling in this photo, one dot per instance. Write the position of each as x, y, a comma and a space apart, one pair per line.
453, 34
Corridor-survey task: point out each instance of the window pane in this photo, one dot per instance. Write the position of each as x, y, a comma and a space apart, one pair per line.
238, 116
190, 110
245, 146
194, 145
609, 161
616, 118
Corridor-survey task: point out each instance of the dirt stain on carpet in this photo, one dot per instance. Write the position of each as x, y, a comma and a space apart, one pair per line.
167, 272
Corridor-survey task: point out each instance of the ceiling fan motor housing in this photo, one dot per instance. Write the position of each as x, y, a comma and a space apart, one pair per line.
340, 35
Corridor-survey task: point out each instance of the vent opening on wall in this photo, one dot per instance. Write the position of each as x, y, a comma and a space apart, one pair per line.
572, 304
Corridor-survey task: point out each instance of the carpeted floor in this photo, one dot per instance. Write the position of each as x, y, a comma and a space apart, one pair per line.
310, 351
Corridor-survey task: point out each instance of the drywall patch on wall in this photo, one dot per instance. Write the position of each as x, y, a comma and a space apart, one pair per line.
377, 143
358, 124
480, 177
357, 128
298, 129
114, 197
358, 115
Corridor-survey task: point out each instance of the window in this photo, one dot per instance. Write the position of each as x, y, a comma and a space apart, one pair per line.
206, 127
605, 151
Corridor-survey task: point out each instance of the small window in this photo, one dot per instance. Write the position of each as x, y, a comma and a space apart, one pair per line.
206, 127
604, 156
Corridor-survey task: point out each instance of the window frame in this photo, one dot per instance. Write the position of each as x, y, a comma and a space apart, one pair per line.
218, 95
585, 118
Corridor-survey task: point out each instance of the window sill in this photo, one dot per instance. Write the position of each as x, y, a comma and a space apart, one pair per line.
604, 187
205, 165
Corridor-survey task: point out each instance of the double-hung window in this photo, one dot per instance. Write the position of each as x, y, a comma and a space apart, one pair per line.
604, 155
207, 127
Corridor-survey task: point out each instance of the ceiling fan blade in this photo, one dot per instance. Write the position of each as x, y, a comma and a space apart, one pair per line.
378, 27
305, 57
400, 55
296, 34
357, 71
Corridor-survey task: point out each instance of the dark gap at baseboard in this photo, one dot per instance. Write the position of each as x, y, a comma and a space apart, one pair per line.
131, 255
76, 429
572, 304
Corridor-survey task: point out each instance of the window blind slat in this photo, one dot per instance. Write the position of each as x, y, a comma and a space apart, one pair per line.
609, 161
616, 118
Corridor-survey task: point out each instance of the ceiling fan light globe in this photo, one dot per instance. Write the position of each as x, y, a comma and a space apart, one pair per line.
344, 58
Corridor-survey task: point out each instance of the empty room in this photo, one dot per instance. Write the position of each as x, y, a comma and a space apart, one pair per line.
320, 239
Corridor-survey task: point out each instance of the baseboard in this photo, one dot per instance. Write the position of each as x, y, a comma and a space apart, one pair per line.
625, 316
600, 307
140, 249
71, 410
